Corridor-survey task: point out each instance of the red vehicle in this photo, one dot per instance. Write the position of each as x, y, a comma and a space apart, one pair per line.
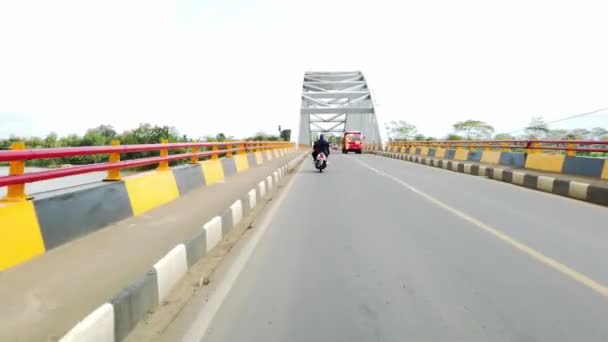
352, 141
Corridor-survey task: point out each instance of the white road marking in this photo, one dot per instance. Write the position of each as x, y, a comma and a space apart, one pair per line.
525, 249
199, 327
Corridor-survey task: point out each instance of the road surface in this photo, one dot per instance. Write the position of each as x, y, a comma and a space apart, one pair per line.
377, 249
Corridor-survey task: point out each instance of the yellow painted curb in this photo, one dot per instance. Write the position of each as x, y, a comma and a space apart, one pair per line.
461, 154
545, 162
259, 159
20, 236
241, 162
490, 157
150, 190
440, 153
213, 171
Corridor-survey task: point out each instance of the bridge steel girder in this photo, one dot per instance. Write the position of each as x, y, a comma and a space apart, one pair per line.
335, 102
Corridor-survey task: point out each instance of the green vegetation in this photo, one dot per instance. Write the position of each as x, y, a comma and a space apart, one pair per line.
400, 130
479, 130
475, 129
145, 133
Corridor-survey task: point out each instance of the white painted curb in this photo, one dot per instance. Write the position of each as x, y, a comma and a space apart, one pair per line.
170, 269
262, 189
252, 199
237, 212
213, 232
98, 326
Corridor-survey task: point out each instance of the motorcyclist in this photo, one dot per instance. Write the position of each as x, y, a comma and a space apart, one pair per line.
320, 145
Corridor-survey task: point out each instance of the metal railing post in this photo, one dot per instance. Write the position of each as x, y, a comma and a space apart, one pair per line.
195, 149
215, 154
229, 153
16, 192
164, 152
114, 174
570, 149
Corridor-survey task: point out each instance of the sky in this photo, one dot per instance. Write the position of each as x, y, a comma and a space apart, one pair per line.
237, 66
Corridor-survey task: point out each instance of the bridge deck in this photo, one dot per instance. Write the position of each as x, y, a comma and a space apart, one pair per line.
408, 252
52, 292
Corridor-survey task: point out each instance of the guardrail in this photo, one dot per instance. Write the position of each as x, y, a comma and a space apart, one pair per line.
373, 146
17, 156
570, 147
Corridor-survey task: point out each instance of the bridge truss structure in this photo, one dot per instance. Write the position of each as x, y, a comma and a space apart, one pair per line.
335, 102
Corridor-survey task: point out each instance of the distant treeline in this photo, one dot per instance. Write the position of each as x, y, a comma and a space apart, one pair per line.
105, 134
476, 130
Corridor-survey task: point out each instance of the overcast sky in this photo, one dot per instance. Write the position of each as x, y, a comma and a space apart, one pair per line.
237, 66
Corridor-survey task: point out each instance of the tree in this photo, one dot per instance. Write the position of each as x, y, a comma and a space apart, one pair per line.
453, 136
93, 138
537, 128
286, 134
419, 137
579, 134
474, 129
504, 136
400, 130
51, 140
105, 131
221, 137
599, 133
263, 136
555, 134
148, 134
334, 140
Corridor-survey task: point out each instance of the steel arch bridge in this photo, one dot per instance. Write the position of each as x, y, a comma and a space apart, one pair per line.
335, 102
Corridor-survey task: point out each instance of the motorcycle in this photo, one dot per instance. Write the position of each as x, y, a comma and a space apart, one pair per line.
321, 162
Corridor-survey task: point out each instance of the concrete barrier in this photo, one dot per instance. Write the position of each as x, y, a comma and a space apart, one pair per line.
150, 190
21, 237
583, 166
545, 162
515, 159
440, 153
114, 320
51, 219
475, 156
490, 157
573, 165
461, 154
559, 185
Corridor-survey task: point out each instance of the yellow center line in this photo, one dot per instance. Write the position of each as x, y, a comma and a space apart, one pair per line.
522, 247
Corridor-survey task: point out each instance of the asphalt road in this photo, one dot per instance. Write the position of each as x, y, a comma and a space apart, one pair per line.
407, 252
